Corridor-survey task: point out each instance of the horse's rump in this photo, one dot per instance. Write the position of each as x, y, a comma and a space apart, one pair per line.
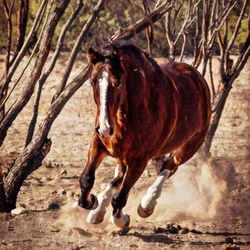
183, 103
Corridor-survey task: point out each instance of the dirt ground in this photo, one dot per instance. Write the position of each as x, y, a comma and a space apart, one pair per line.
204, 206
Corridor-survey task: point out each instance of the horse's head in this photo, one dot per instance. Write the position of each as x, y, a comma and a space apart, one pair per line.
108, 81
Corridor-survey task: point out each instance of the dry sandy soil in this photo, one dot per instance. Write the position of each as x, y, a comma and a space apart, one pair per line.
209, 199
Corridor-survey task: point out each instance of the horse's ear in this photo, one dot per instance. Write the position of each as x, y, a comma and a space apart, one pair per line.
94, 56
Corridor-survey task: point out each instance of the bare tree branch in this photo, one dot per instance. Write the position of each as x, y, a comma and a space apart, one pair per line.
183, 46
77, 47
197, 45
4, 84
236, 29
46, 74
189, 19
132, 30
149, 30
213, 93
170, 27
36, 72
8, 9
22, 18
31, 56
171, 24
228, 76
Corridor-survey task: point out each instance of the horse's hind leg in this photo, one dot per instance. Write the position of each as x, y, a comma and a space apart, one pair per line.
168, 168
104, 198
149, 200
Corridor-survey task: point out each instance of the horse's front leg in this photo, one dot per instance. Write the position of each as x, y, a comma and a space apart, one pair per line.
119, 200
96, 154
104, 198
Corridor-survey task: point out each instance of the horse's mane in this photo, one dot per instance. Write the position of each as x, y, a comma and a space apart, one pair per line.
129, 47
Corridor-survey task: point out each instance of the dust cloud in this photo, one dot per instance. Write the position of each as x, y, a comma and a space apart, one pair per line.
73, 216
194, 192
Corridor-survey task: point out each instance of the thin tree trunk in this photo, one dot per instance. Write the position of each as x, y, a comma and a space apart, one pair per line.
5, 83
34, 51
2, 194
77, 47
215, 120
21, 169
222, 98
211, 76
22, 18
8, 9
149, 30
36, 72
31, 157
45, 75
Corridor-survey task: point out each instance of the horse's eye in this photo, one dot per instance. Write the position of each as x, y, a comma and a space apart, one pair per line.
115, 82
118, 83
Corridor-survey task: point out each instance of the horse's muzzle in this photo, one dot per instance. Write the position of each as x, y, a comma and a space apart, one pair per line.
105, 132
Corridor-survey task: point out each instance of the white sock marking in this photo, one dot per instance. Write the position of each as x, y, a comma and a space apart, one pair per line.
103, 116
149, 200
104, 199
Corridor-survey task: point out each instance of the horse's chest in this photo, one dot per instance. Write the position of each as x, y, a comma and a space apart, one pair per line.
114, 146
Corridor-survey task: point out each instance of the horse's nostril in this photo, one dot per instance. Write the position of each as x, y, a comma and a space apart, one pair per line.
111, 131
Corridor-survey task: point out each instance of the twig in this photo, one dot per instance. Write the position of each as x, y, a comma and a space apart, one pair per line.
183, 46
149, 30
143, 23
236, 29
8, 9
211, 76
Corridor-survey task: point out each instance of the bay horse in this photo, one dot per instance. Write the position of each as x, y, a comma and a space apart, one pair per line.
146, 108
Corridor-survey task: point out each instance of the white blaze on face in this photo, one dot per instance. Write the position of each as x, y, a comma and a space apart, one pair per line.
103, 116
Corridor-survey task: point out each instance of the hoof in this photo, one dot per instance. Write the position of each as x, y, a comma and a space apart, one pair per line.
95, 217
144, 213
89, 205
94, 202
121, 221
125, 229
